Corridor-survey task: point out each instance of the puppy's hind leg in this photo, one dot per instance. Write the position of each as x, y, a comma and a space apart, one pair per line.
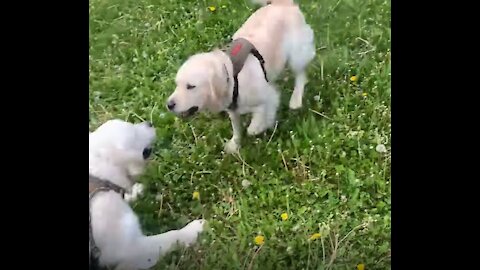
297, 95
301, 51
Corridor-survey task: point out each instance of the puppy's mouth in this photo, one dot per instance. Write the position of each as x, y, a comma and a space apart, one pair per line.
189, 112
147, 152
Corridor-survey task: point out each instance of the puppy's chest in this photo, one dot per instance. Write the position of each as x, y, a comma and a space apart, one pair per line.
245, 110
247, 104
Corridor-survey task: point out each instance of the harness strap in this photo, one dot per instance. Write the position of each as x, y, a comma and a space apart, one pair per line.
233, 106
262, 62
238, 52
97, 185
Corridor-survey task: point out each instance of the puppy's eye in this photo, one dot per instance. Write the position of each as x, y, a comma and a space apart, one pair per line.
189, 86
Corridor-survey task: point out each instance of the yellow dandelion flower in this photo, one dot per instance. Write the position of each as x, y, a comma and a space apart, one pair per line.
354, 78
315, 236
212, 8
284, 216
196, 195
364, 94
361, 266
259, 240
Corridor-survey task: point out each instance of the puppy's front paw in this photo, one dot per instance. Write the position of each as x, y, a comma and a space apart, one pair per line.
191, 231
232, 147
137, 190
254, 130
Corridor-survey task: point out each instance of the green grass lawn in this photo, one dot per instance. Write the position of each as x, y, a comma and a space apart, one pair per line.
322, 165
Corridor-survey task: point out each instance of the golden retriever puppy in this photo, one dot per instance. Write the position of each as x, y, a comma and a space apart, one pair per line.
118, 153
237, 81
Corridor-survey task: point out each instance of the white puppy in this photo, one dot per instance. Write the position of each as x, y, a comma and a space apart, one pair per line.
205, 81
118, 152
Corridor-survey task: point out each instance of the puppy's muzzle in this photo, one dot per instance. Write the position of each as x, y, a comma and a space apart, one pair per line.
171, 105
189, 112
147, 152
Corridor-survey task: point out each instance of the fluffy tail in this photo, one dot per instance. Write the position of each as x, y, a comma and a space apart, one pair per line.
273, 2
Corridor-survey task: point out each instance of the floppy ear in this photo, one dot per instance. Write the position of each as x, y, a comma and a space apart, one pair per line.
218, 85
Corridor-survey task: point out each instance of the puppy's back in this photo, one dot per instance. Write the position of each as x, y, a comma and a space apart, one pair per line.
268, 28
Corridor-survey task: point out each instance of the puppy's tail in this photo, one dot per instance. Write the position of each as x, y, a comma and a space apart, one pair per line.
274, 2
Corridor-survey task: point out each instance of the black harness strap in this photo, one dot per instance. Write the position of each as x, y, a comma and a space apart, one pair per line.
234, 104
262, 62
238, 52
97, 185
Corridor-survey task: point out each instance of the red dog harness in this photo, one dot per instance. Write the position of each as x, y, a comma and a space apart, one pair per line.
238, 51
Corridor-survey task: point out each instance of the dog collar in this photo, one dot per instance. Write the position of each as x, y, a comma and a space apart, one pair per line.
238, 52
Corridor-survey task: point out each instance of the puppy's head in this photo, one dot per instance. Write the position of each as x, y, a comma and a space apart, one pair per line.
200, 84
124, 145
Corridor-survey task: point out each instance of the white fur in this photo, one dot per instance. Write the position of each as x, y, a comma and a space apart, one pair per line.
275, 2
115, 154
281, 35
137, 191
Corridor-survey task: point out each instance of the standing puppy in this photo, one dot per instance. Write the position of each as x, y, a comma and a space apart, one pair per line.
239, 80
117, 155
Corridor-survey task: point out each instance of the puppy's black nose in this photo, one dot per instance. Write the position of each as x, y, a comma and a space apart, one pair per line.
171, 104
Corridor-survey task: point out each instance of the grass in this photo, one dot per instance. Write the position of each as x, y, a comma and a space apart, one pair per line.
320, 165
